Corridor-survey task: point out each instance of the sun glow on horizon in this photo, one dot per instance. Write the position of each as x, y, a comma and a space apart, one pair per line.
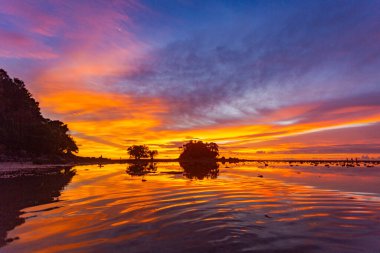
128, 72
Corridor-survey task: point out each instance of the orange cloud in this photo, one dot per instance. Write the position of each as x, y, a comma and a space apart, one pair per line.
78, 84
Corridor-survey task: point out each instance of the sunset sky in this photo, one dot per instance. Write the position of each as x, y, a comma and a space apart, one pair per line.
263, 79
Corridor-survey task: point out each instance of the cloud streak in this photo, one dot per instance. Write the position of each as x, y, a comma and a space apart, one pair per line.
211, 78
250, 77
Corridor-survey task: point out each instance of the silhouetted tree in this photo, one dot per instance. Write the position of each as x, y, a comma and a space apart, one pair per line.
152, 154
64, 142
138, 151
23, 129
198, 150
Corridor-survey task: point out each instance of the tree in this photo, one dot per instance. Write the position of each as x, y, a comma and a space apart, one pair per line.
198, 150
152, 154
60, 141
138, 151
23, 129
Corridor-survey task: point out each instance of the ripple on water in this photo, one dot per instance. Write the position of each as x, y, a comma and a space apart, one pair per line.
228, 214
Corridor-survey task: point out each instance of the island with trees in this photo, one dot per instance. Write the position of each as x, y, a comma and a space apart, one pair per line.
199, 159
139, 166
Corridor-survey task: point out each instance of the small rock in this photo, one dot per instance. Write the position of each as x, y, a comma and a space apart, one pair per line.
11, 239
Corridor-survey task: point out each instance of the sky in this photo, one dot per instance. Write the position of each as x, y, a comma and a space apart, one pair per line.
263, 79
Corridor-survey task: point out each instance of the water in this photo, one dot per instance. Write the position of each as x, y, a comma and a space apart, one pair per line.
288, 209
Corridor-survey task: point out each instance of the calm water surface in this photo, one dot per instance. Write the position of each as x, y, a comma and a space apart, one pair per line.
233, 208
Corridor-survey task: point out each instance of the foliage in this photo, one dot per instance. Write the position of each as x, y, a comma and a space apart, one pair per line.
23, 129
138, 151
152, 154
141, 151
195, 150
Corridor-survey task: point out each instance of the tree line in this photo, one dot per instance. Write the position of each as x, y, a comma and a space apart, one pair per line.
191, 151
23, 129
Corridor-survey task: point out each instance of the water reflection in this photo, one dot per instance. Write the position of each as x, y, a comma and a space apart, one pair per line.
28, 189
104, 210
200, 170
191, 170
141, 168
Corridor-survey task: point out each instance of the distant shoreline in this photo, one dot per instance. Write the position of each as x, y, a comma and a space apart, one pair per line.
234, 160
14, 165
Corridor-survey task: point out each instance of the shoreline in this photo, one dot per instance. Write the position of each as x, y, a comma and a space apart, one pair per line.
29, 165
